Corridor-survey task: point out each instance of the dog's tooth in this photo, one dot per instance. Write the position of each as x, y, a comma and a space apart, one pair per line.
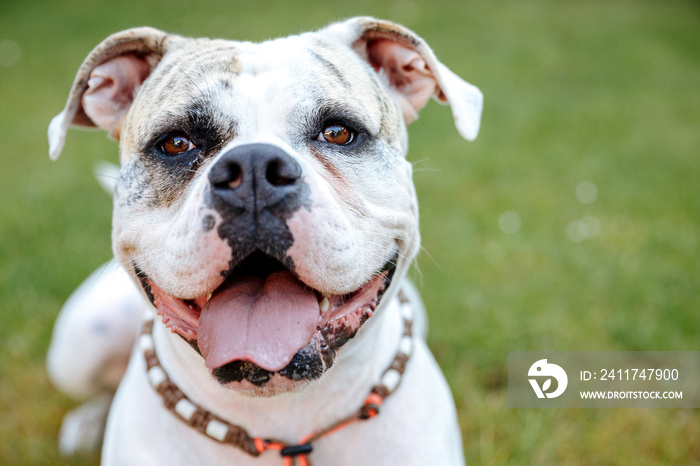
208, 297
324, 304
326, 295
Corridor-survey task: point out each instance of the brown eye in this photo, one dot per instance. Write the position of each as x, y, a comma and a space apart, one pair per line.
175, 145
336, 134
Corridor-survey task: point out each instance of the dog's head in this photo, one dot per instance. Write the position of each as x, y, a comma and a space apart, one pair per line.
264, 202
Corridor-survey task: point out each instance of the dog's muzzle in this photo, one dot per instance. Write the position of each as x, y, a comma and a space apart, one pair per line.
263, 320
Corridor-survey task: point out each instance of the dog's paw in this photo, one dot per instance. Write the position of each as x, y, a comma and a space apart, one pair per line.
83, 427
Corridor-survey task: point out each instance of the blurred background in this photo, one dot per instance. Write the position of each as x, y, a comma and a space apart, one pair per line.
571, 223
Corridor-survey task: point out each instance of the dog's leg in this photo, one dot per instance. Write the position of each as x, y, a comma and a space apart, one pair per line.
89, 351
83, 428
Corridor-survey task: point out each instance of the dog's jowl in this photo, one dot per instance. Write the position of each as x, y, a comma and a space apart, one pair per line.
264, 220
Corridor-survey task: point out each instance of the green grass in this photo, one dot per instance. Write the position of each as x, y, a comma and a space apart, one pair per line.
598, 91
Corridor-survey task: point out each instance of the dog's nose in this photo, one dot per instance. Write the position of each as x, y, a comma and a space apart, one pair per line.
255, 177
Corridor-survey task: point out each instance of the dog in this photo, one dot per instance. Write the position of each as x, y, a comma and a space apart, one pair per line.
264, 221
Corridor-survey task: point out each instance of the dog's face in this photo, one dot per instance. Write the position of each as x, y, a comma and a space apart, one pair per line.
265, 203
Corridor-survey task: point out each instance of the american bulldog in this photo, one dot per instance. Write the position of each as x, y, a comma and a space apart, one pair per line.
266, 214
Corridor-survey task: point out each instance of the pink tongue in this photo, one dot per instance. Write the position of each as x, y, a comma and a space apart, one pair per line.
265, 320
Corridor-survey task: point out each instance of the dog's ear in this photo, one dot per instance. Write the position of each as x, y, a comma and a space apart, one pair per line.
107, 82
410, 70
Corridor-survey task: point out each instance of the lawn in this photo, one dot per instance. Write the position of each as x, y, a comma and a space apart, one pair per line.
571, 223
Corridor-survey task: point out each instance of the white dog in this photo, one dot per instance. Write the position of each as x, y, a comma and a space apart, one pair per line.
266, 209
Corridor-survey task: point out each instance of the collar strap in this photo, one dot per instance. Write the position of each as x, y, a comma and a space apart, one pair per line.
223, 431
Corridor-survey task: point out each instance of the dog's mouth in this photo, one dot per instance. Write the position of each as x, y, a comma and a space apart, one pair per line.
263, 320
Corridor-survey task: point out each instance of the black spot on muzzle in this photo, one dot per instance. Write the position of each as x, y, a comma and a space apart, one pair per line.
306, 365
256, 188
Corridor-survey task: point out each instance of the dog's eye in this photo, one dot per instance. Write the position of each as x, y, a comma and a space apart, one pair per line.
176, 144
336, 134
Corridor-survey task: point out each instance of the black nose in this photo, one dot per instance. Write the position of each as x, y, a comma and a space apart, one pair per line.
253, 177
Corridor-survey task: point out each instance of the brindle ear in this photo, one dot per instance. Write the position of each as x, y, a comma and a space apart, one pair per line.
411, 72
107, 82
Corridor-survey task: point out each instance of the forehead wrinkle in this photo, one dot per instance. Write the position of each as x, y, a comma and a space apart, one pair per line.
347, 85
332, 69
